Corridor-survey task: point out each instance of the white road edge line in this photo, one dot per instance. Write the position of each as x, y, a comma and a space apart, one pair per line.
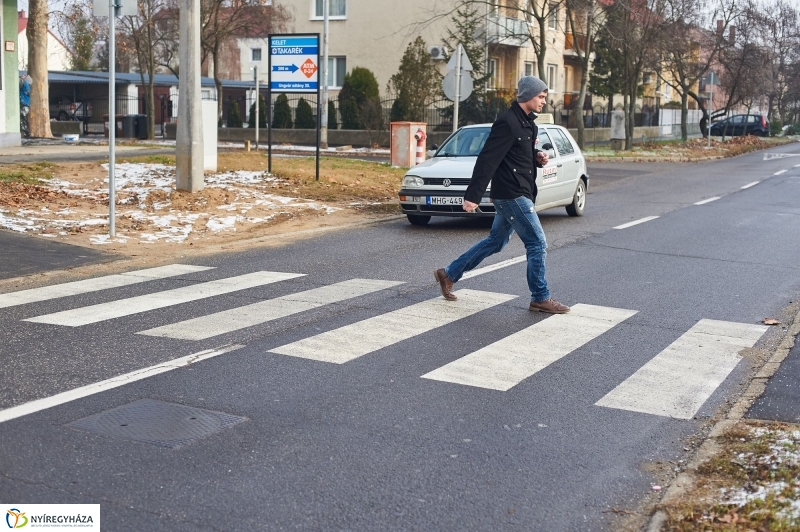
779, 172
709, 200
748, 185
636, 222
797, 166
114, 382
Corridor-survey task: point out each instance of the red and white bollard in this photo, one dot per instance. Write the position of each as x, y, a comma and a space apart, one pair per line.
420, 136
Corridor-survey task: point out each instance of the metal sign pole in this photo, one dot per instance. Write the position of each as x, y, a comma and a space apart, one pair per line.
458, 87
255, 71
112, 111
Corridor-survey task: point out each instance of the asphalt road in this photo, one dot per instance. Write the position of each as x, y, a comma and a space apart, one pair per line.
342, 433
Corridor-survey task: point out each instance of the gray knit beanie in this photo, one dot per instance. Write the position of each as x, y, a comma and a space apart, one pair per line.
528, 87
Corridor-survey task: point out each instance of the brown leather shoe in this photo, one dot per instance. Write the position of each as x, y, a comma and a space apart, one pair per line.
548, 305
445, 283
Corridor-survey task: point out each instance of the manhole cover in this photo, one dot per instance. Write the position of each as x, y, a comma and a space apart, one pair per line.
150, 421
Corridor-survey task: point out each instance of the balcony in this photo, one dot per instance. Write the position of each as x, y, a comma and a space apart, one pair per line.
508, 31
571, 42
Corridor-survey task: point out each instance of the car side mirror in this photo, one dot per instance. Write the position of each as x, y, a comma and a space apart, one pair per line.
547, 146
434, 147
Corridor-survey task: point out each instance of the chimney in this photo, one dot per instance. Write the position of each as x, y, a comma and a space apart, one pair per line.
732, 35
720, 27
21, 14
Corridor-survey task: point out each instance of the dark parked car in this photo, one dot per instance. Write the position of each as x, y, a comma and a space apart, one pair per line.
64, 108
741, 125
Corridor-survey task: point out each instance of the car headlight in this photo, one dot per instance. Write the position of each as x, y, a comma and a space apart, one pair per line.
412, 181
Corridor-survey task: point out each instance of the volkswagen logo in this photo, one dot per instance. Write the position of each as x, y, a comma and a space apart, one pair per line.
446, 182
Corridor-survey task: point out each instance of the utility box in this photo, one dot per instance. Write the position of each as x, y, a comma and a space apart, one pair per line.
403, 143
617, 130
210, 117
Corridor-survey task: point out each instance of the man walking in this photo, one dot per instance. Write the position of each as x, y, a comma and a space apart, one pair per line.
509, 160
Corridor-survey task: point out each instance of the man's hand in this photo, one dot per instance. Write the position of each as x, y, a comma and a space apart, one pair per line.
542, 157
469, 206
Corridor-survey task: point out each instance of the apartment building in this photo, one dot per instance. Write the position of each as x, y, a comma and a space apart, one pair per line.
374, 34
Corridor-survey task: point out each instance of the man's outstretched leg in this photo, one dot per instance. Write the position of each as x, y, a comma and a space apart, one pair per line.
496, 241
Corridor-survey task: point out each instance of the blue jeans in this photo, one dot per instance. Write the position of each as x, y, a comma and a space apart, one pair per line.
510, 215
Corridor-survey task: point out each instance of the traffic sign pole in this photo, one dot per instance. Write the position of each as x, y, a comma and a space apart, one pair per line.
458, 88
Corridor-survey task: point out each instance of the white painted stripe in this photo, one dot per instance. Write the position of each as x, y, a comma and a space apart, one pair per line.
677, 381
93, 285
797, 166
507, 362
636, 222
352, 341
492, 267
779, 172
271, 309
134, 305
709, 200
114, 382
748, 185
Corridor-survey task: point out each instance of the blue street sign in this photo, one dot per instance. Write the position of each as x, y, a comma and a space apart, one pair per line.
294, 61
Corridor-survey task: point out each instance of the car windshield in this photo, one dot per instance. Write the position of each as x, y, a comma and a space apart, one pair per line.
467, 142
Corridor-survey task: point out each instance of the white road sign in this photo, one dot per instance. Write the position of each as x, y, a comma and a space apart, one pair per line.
294, 63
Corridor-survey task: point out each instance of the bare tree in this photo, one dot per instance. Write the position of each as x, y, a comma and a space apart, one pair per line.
584, 18
743, 61
223, 21
38, 21
780, 37
690, 46
634, 30
149, 32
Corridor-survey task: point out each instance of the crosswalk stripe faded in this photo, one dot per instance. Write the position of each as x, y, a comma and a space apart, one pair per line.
134, 305
74, 288
677, 381
507, 362
271, 309
352, 341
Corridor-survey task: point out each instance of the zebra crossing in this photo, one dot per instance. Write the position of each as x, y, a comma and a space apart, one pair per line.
675, 383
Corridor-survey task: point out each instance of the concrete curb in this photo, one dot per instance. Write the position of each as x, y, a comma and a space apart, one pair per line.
710, 447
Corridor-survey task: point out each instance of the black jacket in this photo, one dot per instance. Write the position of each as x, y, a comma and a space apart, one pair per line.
508, 159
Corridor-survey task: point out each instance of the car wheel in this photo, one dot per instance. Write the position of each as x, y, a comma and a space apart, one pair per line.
578, 200
63, 116
416, 219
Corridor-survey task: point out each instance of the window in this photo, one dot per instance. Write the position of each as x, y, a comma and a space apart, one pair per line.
492, 73
552, 18
751, 119
528, 68
562, 142
336, 9
543, 139
337, 67
255, 55
552, 71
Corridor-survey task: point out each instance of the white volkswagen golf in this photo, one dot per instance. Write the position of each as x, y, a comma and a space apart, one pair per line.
436, 187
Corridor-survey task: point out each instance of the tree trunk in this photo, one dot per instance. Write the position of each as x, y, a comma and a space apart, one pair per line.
39, 118
684, 116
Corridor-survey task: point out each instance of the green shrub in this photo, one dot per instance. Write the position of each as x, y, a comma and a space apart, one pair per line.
332, 123
234, 117
359, 87
282, 119
262, 113
775, 127
794, 129
304, 116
